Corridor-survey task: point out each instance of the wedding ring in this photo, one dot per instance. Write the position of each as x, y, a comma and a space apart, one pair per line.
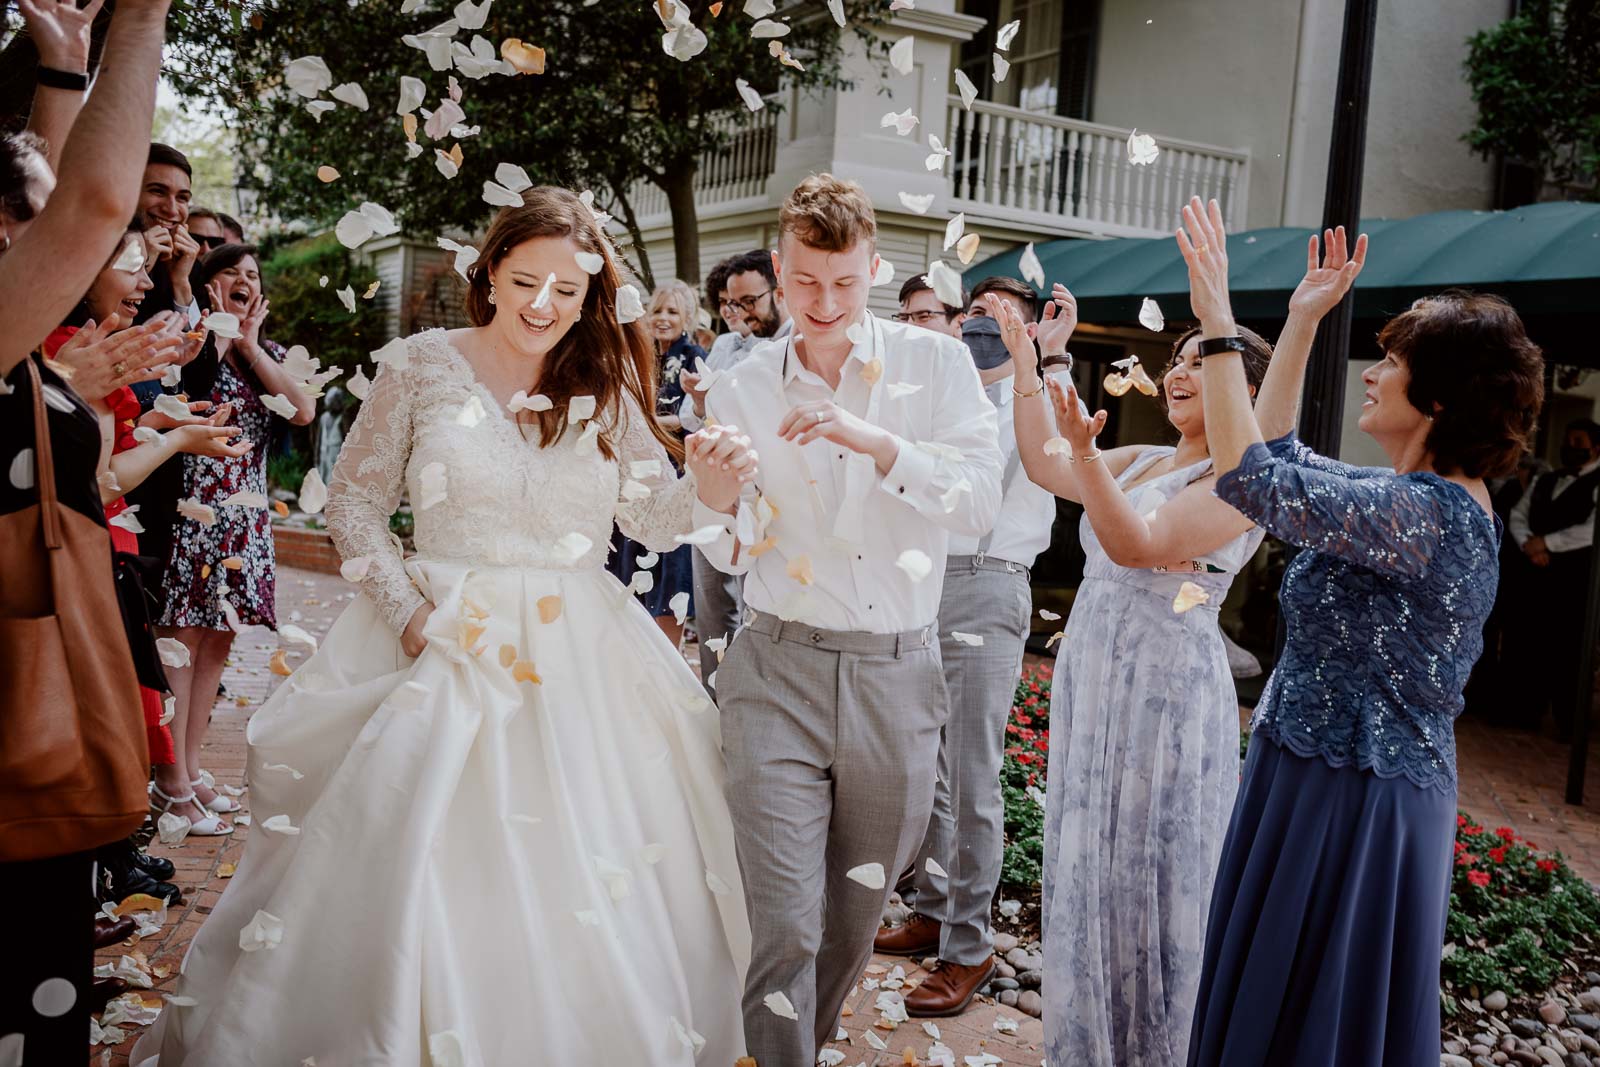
1202, 249
119, 368
816, 417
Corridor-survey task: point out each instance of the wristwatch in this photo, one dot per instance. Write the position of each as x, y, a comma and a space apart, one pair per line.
1211, 346
51, 78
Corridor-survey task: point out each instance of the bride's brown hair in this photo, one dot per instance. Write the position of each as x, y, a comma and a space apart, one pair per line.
598, 356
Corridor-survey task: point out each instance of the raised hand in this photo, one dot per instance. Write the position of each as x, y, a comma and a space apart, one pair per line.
207, 439
102, 360
60, 31
255, 313
723, 463
1329, 277
1017, 336
1204, 244
1079, 429
1059, 319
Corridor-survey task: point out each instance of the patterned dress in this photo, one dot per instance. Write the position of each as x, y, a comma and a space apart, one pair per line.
195, 577
1144, 763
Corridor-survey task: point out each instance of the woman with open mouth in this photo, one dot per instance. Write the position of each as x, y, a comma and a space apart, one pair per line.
219, 574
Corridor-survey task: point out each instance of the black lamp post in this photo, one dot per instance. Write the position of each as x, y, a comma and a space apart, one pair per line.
1322, 413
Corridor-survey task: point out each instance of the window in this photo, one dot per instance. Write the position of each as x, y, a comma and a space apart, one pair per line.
1052, 55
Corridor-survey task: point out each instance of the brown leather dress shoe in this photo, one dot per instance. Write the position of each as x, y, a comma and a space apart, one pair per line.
108, 931
916, 937
948, 989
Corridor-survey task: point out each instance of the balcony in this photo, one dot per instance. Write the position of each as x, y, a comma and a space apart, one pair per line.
737, 171
1073, 177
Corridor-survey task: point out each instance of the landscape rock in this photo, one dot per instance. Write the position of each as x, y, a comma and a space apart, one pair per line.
1529, 1028
1031, 979
1585, 1022
1495, 1001
1008, 997
1552, 1013
1030, 1003
1004, 943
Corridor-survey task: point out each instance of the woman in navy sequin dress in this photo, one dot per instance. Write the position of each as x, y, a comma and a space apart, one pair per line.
1328, 914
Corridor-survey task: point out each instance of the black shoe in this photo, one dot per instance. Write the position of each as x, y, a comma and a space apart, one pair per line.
123, 877
155, 866
106, 990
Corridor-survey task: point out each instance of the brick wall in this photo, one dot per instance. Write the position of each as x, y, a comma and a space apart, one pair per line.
310, 550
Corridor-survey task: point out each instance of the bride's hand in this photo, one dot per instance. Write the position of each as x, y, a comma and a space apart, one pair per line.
411, 640
1204, 244
722, 462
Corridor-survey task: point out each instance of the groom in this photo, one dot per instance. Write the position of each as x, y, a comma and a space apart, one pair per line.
877, 443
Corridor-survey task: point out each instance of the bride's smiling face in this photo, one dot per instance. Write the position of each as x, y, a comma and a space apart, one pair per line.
529, 324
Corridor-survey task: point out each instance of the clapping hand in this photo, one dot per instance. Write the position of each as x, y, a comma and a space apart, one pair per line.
102, 360
1059, 319
1204, 244
722, 462
1328, 279
1072, 422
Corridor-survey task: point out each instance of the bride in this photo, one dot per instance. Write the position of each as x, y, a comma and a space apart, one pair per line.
489, 824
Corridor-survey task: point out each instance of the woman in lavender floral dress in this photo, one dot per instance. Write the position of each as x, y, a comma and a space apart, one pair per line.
222, 567
1328, 917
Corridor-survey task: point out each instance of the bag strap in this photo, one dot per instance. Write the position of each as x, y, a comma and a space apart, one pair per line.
44, 461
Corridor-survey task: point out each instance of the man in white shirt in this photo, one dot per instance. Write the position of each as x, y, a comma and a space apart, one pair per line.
747, 295
1553, 524
986, 593
877, 445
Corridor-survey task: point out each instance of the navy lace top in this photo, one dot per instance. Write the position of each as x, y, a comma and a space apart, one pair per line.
1384, 614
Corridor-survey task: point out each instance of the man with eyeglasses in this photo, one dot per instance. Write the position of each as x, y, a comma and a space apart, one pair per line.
745, 291
921, 306
986, 592
205, 226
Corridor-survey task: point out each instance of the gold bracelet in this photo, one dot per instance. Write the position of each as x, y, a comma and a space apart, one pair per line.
1090, 458
1036, 392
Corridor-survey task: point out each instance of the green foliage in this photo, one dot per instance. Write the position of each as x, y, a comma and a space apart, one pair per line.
612, 107
1516, 915
1536, 80
286, 470
304, 312
1026, 755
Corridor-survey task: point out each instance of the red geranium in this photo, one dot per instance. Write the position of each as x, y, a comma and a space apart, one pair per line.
1478, 878
1498, 854
1547, 866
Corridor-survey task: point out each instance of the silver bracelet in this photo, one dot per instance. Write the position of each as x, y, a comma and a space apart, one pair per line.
1090, 458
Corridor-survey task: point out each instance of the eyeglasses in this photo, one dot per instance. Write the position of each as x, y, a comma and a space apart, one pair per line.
744, 303
209, 242
919, 318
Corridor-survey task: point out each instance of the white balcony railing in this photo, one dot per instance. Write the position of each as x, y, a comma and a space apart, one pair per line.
737, 170
1007, 164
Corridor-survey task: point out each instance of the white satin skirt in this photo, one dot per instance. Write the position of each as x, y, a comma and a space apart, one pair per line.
457, 867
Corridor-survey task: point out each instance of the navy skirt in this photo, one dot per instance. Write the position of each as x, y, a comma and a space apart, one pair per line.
674, 574
1327, 919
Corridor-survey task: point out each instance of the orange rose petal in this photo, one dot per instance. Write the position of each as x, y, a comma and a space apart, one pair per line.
327, 174
800, 570
549, 608
1141, 381
508, 655
279, 664
522, 671
716, 9
205, 571
527, 58
1118, 384
872, 372
409, 124
225, 870
763, 547
139, 902
234, 563
281, 508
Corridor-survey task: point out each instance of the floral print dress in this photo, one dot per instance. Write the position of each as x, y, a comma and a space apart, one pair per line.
196, 578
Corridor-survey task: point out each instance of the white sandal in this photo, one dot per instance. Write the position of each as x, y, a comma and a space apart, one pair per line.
221, 804
161, 804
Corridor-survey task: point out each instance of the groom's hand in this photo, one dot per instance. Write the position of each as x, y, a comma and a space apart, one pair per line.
722, 462
826, 420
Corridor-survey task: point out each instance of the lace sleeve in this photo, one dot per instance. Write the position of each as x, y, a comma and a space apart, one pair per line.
365, 490
1291, 448
652, 505
1390, 524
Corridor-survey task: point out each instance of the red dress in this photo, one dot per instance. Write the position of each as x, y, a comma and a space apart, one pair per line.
125, 410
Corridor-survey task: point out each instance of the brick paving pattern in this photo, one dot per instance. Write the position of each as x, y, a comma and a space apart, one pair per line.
318, 599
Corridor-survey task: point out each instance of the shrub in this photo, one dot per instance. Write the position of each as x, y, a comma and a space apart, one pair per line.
1022, 777
287, 469
305, 312
1516, 915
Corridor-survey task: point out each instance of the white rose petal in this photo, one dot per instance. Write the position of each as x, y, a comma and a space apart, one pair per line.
937, 871
1005, 1025
222, 324
1057, 446
968, 91
759, 9
901, 56
946, 283
204, 514
521, 401
1002, 40
705, 535
446, 1049
472, 16
351, 93
313, 494
355, 568
264, 930
572, 547
280, 824
513, 177
438, 125
1002, 67
466, 255
902, 121
917, 204
131, 259
884, 274
1142, 149
412, 93
319, 108
752, 99
630, 307
173, 653
915, 563
953, 231
1030, 267
279, 405
580, 408
360, 385
768, 28
397, 353
868, 874
172, 828
1047, 615
680, 607
966, 639
1150, 316
590, 262
347, 297
308, 76
779, 1005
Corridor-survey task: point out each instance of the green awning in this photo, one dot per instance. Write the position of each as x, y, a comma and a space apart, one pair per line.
1544, 258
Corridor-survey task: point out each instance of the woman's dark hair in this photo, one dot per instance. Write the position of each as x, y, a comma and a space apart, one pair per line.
716, 282
21, 157
80, 313
1257, 354
1476, 373
218, 260
598, 356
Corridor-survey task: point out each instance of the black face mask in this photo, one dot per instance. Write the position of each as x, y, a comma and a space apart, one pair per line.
1573, 457
982, 335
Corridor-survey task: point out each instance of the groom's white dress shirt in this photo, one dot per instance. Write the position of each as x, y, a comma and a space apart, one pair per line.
829, 555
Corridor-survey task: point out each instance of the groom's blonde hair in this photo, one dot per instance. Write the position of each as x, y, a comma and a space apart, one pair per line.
828, 213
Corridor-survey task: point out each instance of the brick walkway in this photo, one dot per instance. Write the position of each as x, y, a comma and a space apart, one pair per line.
318, 599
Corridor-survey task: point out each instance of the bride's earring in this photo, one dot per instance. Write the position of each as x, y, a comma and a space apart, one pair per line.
491, 292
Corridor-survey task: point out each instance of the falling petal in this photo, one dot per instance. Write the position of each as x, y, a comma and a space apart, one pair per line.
1141, 381
279, 664
590, 262
465, 255
968, 91
766, 28
917, 204
1189, 596
280, 824
347, 297
1002, 67
1150, 316
974, 640
953, 231
915, 563
902, 121
799, 568
780, 1005
521, 401
572, 547
752, 99
1032, 270
872, 372
352, 94
1117, 384
580, 408
945, 282
967, 248
397, 353
526, 58
868, 874
223, 324
680, 607
308, 76
901, 56
173, 653
1002, 39
412, 93
498, 195
630, 307
1142, 149
131, 259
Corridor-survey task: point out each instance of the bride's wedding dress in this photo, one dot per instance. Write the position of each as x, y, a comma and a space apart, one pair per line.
514, 848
